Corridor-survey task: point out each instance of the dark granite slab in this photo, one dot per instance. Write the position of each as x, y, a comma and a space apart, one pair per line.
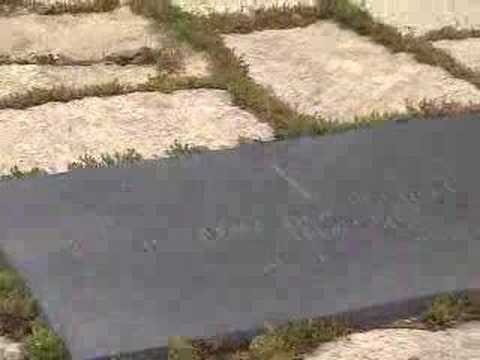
123, 258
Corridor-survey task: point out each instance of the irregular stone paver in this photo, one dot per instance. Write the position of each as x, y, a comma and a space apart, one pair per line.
466, 51
54, 134
80, 37
422, 16
21, 78
461, 343
337, 73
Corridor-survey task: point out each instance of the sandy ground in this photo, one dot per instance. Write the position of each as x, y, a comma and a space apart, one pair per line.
52, 135
337, 73
461, 343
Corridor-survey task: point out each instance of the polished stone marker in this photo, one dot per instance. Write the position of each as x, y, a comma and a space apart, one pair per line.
122, 258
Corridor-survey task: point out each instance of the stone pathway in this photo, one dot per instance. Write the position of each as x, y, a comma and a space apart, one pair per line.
320, 69
338, 74
84, 49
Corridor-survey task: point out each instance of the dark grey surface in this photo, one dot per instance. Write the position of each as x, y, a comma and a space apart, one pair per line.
304, 227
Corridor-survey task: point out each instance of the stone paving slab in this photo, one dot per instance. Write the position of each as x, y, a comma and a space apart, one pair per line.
18, 79
122, 258
335, 72
466, 51
459, 343
54, 134
418, 17
88, 37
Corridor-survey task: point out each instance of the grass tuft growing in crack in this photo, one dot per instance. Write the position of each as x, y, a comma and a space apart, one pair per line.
38, 96
444, 310
129, 157
44, 344
296, 337
434, 108
180, 348
275, 17
285, 342
450, 33
20, 318
16, 303
7, 7
119, 159
167, 84
16, 173
178, 149
167, 58
448, 309
163, 82
231, 73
